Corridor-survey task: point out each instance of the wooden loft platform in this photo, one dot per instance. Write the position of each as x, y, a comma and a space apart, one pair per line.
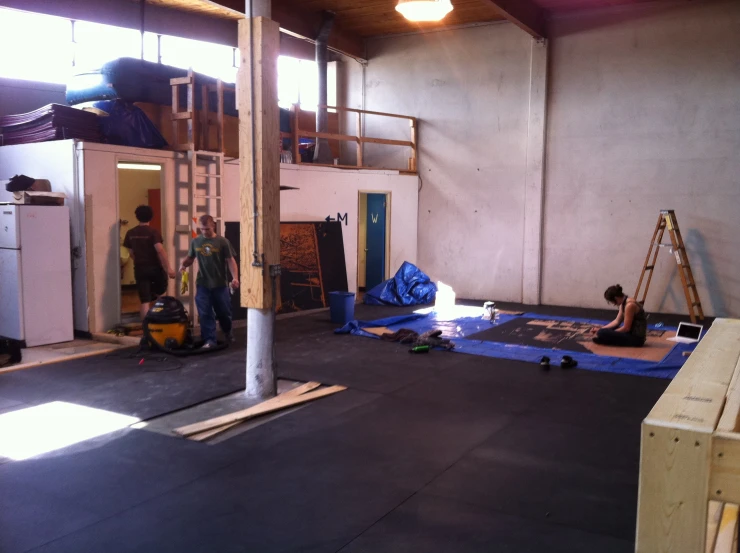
303, 123
359, 138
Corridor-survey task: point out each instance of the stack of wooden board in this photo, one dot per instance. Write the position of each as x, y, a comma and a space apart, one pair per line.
52, 122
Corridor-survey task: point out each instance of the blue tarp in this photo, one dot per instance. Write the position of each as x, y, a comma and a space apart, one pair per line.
410, 286
462, 321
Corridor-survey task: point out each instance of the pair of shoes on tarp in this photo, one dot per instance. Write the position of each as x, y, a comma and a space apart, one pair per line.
566, 363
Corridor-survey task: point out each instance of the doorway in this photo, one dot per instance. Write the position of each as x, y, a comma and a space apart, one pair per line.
373, 240
138, 184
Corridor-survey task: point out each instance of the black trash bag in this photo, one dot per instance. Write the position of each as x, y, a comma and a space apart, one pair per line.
19, 183
127, 125
10, 352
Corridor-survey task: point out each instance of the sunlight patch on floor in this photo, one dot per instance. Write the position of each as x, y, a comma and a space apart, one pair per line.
43, 428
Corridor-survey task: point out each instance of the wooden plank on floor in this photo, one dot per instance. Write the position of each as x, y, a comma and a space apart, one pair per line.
61, 357
377, 330
269, 406
295, 392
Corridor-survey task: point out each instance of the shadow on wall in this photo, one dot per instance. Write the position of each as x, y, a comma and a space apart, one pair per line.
699, 258
701, 263
576, 22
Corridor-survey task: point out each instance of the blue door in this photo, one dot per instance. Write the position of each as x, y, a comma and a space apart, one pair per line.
375, 245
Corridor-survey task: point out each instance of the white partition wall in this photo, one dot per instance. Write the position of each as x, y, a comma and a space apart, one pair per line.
323, 192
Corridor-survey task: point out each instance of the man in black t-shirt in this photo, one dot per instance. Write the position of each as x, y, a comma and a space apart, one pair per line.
151, 266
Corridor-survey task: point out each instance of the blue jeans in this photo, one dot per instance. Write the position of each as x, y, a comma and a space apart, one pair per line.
208, 301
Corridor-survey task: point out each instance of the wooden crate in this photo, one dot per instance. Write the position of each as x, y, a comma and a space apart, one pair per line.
690, 456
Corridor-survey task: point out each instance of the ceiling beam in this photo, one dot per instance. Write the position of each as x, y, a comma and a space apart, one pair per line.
305, 24
525, 14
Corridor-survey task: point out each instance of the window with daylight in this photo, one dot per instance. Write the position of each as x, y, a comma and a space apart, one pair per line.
97, 44
41, 47
49, 49
214, 60
298, 83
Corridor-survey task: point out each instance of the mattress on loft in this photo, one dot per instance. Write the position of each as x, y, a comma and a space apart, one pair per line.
135, 80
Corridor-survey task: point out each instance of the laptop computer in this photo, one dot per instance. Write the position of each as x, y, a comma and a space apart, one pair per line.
687, 333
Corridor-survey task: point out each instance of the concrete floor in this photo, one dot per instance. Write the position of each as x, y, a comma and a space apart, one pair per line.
439, 452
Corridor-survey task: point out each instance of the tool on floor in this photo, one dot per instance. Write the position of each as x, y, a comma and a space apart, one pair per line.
667, 221
490, 308
167, 328
420, 349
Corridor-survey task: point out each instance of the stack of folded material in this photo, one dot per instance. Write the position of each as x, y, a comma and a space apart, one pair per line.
52, 122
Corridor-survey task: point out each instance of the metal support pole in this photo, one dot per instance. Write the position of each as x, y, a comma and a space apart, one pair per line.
260, 8
261, 382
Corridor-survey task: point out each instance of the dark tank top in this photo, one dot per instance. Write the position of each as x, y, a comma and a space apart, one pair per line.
639, 321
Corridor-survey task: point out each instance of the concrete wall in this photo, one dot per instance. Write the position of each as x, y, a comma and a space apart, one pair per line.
470, 90
324, 191
18, 96
643, 115
349, 95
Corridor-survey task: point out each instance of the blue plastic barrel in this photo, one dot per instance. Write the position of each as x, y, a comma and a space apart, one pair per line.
341, 307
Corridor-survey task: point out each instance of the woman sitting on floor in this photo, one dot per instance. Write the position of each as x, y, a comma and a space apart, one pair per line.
633, 330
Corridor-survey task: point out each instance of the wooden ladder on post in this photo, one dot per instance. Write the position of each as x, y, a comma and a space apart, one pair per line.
201, 191
667, 220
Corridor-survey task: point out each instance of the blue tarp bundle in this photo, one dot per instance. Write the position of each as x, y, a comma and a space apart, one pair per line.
410, 286
463, 321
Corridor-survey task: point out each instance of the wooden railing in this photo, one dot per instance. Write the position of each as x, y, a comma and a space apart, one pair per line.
359, 139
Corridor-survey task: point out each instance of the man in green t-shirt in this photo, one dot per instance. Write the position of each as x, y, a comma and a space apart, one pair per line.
214, 253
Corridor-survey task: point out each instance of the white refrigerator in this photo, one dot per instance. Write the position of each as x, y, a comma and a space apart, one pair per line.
35, 274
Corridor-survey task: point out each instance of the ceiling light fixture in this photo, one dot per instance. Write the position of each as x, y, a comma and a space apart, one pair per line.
424, 10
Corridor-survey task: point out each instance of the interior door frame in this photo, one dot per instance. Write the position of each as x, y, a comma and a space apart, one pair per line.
361, 247
167, 229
